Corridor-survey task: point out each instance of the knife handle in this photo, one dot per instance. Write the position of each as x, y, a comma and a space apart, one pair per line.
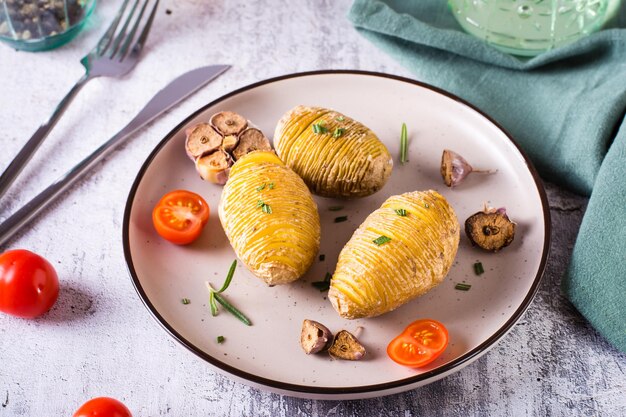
14, 223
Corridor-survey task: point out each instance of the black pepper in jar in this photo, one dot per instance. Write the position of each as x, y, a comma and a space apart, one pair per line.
34, 19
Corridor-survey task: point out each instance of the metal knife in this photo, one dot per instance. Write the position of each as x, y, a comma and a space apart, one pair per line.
177, 90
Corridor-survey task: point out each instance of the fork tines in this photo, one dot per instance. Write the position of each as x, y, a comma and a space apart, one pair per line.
116, 44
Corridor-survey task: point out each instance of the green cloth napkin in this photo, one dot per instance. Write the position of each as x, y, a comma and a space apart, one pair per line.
564, 107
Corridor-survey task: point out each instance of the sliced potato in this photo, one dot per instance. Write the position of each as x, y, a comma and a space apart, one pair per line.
270, 218
392, 258
334, 154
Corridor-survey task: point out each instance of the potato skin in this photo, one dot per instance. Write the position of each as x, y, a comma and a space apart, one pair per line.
371, 280
355, 164
280, 246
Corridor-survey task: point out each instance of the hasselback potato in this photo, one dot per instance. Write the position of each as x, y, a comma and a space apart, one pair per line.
402, 250
270, 218
335, 155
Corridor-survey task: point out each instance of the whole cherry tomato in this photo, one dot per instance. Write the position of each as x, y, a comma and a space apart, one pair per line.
29, 285
180, 216
103, 407
419, 344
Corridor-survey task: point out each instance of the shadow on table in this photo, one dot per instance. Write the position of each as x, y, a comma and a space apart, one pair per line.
74, 303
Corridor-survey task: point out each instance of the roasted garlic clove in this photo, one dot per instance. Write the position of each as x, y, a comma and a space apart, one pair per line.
228, 123
214, 167
315, 337
251, 139
454, 168
490, 229
201, 140
230, 142
346, 346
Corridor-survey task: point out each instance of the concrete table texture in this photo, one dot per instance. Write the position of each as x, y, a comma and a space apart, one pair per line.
99, 339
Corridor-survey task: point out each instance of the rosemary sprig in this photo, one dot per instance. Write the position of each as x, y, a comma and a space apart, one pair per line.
215, 297
233, 310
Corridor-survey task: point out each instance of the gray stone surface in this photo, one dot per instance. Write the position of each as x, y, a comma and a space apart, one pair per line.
100, 340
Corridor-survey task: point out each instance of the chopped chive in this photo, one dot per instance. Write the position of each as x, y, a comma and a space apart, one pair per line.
404, 144
335, 208
341, 219
264, 207
323, 285
339, 132
322, 257
478, 268
381, 240
220, 339
319, 128
233, 310
270, 185
462, 286
185, 301
340, 118
426, 205
229, 277
260, 187
400, 212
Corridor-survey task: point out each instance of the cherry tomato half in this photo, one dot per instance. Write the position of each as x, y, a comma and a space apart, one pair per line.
419, 344
103, 407
29, 285
180, 216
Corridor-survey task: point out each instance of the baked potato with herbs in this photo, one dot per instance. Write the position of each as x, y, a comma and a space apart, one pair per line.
335, 155
402, 250
270, 218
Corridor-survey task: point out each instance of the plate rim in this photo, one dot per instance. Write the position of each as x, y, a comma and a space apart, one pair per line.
393, 386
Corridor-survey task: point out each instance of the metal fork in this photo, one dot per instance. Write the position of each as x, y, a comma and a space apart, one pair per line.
113, 56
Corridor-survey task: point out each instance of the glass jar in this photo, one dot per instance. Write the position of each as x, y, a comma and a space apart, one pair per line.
37, 25
529, 27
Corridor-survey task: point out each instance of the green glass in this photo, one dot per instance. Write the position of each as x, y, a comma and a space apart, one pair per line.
39, 25
529, 27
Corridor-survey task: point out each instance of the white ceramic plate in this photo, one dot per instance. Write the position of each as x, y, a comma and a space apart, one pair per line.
268, 354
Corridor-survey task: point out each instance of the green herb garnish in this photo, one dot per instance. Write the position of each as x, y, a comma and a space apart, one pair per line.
335, 208
220, 339
264, 207
381, 240
341, 219
323, 285
426, 205
339, 132
215, 297
233, 310
462, 286
229, 277
270, 185
340, 118
400, 212
185, 301
260, 187
212, 303
478, 268
322, 257
404, 145
319, 128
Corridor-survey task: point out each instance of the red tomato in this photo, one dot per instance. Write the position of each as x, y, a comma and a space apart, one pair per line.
419, 344
29, 285
103, 407
180, 216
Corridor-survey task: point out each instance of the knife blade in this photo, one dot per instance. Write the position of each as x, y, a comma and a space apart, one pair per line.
172, 94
